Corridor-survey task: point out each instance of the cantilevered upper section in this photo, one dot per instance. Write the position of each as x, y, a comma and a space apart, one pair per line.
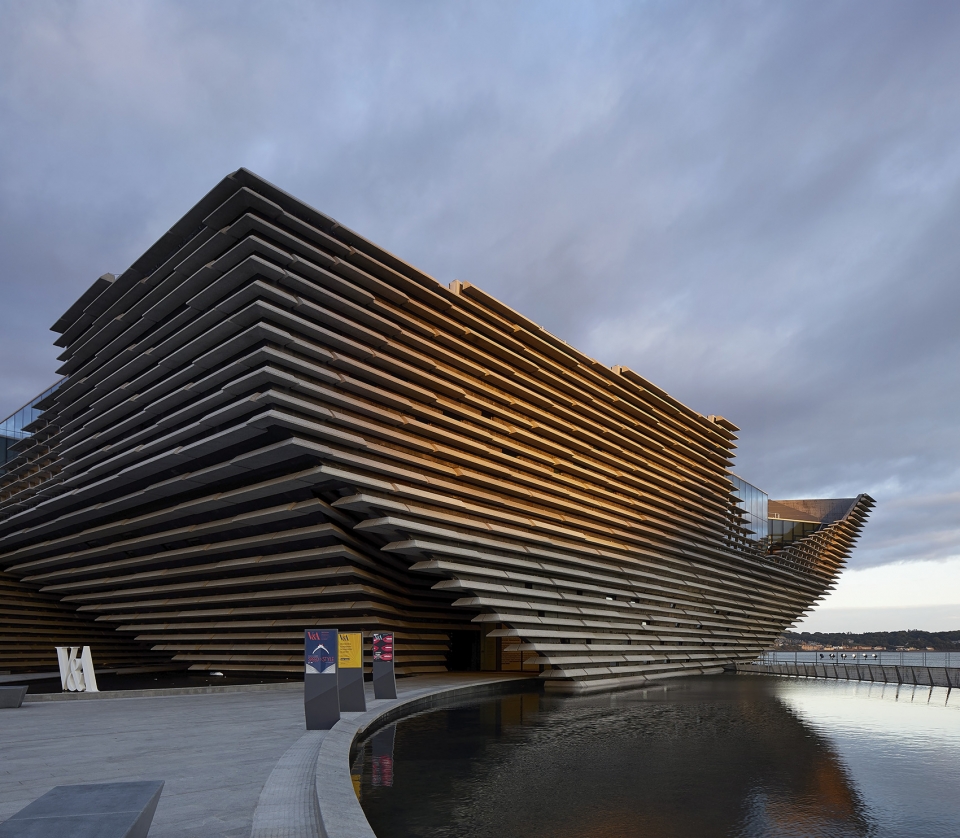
268, 422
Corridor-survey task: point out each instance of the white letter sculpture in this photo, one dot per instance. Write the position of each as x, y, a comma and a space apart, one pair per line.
76, 669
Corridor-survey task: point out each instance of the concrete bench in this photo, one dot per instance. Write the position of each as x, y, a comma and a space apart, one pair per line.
100, 810
12, 696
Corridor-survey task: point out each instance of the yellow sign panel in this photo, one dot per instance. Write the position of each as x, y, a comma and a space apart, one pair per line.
351, 650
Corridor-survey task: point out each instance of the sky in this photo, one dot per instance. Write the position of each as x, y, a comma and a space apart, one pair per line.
754, 205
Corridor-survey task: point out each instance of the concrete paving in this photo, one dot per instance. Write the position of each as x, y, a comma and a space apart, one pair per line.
236, 760
215, 751
288, 805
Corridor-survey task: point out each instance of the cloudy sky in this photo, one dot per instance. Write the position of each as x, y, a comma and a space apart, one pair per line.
755, 205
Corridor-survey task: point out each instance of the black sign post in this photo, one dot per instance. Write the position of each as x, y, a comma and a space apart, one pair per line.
321, 701
384, 680
350, 673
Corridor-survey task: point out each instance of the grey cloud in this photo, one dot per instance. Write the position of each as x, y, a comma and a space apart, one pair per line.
753, 205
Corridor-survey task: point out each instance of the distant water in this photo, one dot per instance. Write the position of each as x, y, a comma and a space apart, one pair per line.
751, 756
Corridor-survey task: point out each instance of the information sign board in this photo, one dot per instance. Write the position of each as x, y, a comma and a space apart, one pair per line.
320, 651
384, 680
350, 672
321, 700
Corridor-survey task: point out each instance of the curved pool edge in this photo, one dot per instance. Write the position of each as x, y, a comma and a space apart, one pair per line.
340, 812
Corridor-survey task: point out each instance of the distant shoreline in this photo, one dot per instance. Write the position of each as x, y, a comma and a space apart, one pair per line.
908, 640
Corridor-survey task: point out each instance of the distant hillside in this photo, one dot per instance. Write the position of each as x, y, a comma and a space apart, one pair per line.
942, 641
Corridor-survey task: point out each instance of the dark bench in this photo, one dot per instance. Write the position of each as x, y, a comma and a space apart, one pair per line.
99, 810
12, 696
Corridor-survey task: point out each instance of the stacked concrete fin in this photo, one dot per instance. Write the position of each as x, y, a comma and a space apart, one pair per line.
33, 624
825, 551
269, 423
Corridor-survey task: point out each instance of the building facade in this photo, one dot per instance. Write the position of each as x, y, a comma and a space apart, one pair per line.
269, 423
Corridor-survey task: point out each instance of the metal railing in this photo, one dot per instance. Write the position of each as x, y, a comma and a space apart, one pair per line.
863, 658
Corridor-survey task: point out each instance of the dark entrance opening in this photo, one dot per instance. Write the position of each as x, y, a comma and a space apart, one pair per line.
464, 654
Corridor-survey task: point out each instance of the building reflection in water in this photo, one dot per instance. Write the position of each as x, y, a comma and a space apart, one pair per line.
705, 757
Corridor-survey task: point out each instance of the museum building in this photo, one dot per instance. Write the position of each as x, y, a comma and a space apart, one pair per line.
268, 423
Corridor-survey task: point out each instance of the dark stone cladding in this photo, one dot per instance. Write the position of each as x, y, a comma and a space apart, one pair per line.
268, 423
33, 624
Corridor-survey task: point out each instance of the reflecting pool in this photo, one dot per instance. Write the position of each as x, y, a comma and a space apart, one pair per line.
728, 755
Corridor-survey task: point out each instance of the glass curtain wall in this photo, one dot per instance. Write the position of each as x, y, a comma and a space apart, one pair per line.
786, 532
12, 428
755, 527
752, 505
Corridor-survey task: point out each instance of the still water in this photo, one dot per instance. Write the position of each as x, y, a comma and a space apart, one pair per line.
729, 755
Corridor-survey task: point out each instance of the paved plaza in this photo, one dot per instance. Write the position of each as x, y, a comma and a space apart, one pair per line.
215, 752
236, 763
